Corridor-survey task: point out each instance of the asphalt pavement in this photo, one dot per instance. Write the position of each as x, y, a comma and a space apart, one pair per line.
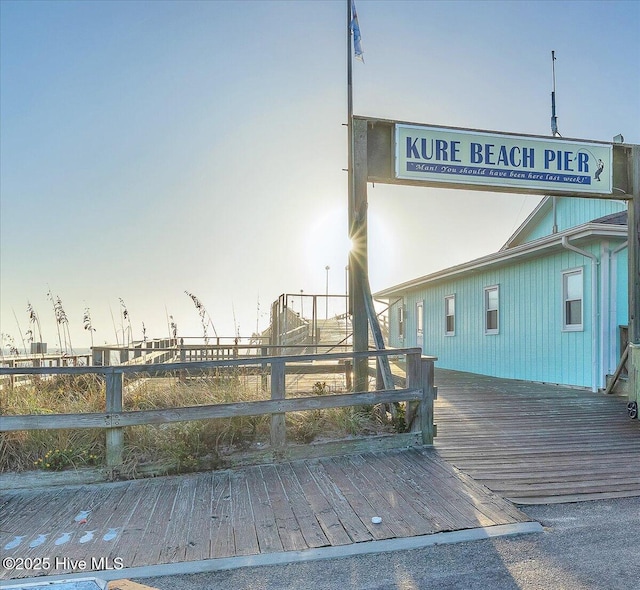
585, 546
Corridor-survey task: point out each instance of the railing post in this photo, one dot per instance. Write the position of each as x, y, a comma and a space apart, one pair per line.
124, 356
413, 380
379, 378
12, 377
263, 374
348, 373
426, 403
115, 435
278, 430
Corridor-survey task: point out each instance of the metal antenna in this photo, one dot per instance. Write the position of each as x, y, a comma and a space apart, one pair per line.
554, 119
554, 133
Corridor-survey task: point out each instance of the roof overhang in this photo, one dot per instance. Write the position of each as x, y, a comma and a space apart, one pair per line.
581, 234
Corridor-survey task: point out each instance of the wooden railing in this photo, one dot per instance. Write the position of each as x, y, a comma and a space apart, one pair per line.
38, 360
418, 391
158, 350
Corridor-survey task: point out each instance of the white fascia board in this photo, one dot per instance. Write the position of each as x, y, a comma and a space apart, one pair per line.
546, 243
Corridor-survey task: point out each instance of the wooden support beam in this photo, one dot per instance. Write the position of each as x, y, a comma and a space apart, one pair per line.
358, 257
634, 274
278, 428
382, 361
426, 403
115, 434
620, 367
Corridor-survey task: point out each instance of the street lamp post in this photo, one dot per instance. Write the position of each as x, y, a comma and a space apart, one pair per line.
326, 309
346, 300
301, 304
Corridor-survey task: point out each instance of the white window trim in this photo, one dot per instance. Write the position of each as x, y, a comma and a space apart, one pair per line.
402, 321
572, 327
452, 332
485, 309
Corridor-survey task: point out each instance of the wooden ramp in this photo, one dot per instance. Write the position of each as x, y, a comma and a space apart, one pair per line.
537, 443
297, 506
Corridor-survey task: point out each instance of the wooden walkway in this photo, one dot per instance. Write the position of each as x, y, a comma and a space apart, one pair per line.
246, 512
537, 443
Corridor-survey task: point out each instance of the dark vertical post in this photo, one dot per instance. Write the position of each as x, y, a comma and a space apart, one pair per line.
358, 260
426, 404
413, 380
348, 374
97, 357
263, 366
634, 275
357, 208
115, 436
278, 432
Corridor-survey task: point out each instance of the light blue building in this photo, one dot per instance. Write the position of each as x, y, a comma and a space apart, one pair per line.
551, 305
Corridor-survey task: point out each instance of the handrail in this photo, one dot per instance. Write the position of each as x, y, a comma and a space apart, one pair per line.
161, 368
418, 388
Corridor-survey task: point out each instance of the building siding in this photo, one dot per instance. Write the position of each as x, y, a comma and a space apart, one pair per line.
570, 212
531, 343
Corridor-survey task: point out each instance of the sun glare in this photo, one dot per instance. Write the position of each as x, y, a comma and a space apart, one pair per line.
327, 244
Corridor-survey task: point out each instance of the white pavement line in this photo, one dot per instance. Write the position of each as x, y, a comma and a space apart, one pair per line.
288, 557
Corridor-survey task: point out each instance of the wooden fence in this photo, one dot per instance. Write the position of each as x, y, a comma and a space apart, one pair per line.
418, 391
37, 360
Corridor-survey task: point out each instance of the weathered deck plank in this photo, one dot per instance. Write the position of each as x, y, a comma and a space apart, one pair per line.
413, 492
199, 521
62, 522
288, 526
129, 521
441, 500
265, 520
380, 497
362, 509
98, 509
242, 519
291, 506
320, 506
151, 542
221, 533
174, 546
349, 520
537, 443
300, 506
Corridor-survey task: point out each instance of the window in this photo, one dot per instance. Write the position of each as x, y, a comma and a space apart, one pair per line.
572, 297
420, 318
450, 315
491, 309
401, 321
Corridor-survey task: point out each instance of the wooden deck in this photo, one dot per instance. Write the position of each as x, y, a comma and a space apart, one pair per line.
292, 506
537, 443
531, 443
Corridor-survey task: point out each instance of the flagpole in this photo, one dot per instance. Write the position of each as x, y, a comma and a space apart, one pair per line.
357, 221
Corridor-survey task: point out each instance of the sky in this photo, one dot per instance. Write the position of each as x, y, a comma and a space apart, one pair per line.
152, 148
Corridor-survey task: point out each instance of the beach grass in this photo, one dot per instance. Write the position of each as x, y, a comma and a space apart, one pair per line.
180, 446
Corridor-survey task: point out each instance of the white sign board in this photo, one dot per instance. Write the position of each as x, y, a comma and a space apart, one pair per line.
441, 155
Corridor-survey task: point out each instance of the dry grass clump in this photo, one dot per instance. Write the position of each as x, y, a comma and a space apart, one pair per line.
51, 450
332, 423
171, 447
62, 394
